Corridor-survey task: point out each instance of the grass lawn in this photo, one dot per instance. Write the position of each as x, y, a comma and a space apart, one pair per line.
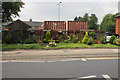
59, 45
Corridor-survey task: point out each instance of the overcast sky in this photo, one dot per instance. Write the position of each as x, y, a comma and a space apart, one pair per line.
46, 10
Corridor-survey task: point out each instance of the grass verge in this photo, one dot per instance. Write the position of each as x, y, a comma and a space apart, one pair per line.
59, 45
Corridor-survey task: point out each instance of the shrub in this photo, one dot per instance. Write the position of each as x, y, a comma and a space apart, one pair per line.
66, 41
114, 41
78, 42
7, 39
112, 38
118, 42
74, 39
52, 43
103, 39
85, 39
48, 36
68, 38
92, 34
90, 41
29, 41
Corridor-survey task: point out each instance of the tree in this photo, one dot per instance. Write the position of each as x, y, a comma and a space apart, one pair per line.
75, 19
109, 23
110, 26
86, 17
10, 10
92, 22
30, 20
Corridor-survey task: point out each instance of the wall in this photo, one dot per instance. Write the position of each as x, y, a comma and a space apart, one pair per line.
118, 26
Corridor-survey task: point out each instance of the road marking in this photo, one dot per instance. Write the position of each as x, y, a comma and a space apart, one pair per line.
75, 59
107, 77
24, 61
103, 58
86, 77
64, 60
83, 59
51, 61
3, 61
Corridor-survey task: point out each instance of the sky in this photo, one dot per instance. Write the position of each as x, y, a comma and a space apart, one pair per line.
47, 10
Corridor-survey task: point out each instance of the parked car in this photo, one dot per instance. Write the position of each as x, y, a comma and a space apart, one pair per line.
109, 35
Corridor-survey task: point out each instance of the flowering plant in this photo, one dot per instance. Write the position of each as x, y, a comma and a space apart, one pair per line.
74, 31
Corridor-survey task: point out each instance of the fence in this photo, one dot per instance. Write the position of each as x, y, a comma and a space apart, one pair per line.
16, 36
65, 25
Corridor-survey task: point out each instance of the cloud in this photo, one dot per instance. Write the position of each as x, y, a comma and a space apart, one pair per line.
42, 11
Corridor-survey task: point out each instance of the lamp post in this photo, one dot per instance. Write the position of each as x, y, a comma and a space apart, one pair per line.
59, 10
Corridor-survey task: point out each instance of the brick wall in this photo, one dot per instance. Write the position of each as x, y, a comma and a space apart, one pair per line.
118, 26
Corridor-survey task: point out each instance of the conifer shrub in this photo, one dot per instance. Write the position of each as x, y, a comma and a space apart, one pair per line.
85, 39
48, 37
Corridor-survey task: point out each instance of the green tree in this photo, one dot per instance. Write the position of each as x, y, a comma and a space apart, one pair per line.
108, 23
10, 10
92, 22
30, 20
86, 17
75, 19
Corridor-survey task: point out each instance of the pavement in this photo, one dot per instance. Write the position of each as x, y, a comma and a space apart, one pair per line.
60, 54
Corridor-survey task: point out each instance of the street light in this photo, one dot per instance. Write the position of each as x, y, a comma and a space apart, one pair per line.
59, 11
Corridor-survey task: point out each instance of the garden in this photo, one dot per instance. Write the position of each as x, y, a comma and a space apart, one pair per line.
89, 41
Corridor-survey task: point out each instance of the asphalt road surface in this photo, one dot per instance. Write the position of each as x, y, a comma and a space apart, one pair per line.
71, 70
58, 54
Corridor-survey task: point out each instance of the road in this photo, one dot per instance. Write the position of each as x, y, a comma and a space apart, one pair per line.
69, 69
58, 54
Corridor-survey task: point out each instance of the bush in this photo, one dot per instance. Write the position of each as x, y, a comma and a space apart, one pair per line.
92, 34
48, 36
103, 40
7, 39
68, 38
29, 41
114, 42
74, 39
118, 42
90, 41
52, 43
66, 41
85, 39
112, 38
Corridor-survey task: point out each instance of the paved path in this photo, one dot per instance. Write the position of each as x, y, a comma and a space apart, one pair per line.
59, 54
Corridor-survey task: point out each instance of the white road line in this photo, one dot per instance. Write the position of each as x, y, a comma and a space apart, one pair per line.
64, 60
107, 77
51, 61
86, 77
75, 59
83, 59
3, 61
25, 61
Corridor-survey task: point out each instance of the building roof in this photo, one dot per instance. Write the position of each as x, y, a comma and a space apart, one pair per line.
118, 15
33, 23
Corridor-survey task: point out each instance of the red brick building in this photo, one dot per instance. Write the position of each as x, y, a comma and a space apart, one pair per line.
118, 24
